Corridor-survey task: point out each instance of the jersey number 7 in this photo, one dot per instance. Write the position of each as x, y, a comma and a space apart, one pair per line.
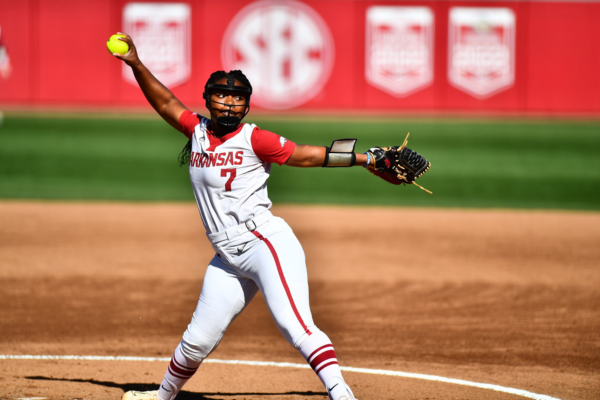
225, 172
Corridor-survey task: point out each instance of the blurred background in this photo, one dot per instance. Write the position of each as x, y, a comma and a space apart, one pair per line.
502, 97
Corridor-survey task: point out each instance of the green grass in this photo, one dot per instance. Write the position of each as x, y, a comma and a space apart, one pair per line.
552, 164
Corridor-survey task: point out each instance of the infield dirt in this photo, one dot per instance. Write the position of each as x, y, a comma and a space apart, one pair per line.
503, 297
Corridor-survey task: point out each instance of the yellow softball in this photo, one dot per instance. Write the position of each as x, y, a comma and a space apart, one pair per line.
117, 46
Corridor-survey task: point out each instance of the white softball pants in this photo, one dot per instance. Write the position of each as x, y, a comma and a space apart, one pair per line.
269, 259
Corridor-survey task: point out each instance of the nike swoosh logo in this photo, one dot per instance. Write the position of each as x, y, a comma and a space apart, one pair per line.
331, 388
165, 389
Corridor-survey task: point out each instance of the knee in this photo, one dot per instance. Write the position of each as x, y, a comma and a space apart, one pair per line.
193, 351
196, 344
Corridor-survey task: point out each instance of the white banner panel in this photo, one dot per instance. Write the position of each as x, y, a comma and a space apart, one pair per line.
399, 49
162, 35
481, 50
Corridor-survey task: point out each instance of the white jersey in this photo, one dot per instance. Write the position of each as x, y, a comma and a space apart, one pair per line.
229, 174
229, 178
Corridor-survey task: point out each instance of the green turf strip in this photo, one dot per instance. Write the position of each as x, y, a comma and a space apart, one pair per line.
476, 163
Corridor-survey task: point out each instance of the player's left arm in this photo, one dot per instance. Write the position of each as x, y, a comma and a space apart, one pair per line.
306, 156
272, 148
396, 164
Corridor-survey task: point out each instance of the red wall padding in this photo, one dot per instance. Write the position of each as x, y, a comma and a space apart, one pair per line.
58, 54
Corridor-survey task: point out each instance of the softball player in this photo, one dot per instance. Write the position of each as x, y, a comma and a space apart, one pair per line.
229, 164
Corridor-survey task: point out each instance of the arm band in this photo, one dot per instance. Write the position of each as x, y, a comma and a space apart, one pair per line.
340, 154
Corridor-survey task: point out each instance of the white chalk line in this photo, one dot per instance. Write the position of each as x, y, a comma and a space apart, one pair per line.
497, 388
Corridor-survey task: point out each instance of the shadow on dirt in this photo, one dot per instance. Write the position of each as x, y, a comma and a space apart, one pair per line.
183, 395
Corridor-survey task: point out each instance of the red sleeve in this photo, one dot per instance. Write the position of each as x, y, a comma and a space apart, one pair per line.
187, 122
270, 147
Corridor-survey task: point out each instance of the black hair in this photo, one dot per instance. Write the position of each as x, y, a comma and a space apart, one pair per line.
186, 152
235, 74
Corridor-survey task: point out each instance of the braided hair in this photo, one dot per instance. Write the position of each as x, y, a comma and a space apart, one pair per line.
186, 152
236, 74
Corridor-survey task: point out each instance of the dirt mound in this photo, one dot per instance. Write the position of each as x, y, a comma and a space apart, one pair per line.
503, 297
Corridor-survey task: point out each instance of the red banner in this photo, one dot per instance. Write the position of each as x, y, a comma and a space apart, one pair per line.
327, 55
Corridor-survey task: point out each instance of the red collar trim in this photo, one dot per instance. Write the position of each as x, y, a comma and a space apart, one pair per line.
217, 141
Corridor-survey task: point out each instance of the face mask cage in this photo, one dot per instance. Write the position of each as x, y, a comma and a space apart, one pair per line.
229, 123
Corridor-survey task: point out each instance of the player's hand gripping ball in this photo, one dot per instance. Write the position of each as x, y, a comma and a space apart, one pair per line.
117, 46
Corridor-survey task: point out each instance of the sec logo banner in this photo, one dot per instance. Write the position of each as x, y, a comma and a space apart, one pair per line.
481, 50
399, 51
162, 36
285, 49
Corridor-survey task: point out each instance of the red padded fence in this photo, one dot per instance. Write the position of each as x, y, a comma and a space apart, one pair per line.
504, 56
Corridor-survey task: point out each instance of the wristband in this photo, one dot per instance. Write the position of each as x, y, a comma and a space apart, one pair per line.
340, 154
368, 159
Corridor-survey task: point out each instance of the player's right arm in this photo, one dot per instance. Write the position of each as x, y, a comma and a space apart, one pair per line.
158, 95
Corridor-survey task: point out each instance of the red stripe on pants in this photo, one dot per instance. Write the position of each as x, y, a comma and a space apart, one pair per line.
321, 358
176, 375
283, 281
180, 371
317, 350
324, 366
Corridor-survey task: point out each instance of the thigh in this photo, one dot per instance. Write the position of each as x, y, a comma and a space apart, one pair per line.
224, 296
279, 270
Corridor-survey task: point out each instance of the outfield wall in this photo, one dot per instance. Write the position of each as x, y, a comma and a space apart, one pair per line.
504, 56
